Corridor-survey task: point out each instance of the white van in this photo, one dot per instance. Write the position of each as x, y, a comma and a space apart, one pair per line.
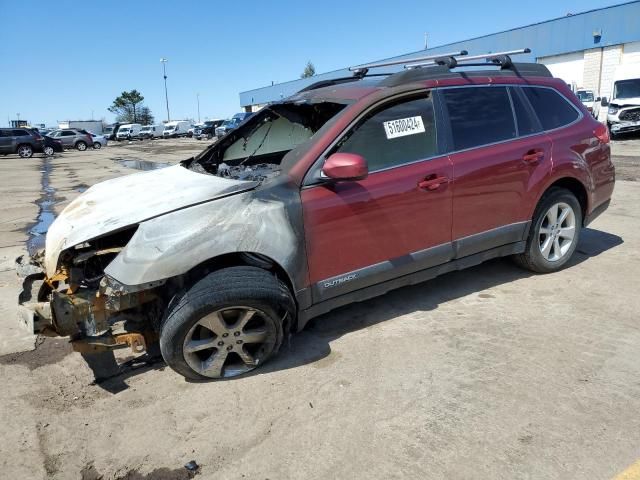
128, 131
624, 105
151, 131
178, 128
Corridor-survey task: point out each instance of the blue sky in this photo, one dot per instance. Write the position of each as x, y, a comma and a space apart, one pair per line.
64, 60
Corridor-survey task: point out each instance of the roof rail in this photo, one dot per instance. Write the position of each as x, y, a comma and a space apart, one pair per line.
502, 59
388, 63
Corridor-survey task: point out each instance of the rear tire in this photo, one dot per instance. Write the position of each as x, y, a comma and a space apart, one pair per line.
97, 145
227, 324
81, 146
554, 233
48, 151
25, 151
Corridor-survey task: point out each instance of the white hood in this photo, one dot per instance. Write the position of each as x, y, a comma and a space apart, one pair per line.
129, 200
633, 101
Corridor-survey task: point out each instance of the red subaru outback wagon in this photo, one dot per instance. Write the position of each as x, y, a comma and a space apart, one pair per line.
344, 191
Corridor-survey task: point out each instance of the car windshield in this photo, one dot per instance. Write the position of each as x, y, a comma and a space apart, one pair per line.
263, 141
585, 96
145, 129
627, 88
124, 130
170, 127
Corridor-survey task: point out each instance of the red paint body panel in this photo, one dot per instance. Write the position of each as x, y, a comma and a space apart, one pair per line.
350, 225
494, 186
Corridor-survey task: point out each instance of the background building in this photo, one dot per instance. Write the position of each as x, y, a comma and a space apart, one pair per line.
583, 49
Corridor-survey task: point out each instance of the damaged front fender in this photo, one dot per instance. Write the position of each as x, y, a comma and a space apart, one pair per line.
267, 221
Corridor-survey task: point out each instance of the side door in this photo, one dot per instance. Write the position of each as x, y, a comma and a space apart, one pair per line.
5, 141
21, 136
67, 137
499, 154
394, 222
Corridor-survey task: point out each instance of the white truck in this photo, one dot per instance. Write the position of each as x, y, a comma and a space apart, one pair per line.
128, 131
178, 128
151, 131
623, 114
94, 126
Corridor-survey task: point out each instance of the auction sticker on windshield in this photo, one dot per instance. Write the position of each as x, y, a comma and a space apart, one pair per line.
403, 127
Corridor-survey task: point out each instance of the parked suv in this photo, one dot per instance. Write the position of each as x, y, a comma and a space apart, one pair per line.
73, 138
208, 130
22, 141
344, 191
232, 123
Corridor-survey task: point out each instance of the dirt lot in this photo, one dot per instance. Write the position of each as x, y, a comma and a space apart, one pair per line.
486, 373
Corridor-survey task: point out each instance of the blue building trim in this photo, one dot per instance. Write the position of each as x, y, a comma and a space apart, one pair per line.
617, 24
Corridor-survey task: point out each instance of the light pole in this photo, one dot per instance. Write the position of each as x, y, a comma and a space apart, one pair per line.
198, 97
166, 95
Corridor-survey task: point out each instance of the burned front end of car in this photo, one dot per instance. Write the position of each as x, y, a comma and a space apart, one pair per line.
80, 301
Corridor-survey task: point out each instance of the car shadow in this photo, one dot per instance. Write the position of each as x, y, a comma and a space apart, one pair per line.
313, 344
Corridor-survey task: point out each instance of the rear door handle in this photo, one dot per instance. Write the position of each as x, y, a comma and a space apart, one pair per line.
533, 156
432, 183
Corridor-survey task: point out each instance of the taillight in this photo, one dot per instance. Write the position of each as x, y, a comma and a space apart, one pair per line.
602, 133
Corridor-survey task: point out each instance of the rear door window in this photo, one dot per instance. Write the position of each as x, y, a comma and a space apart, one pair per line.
68, 133
479, 116
552, 109
398, 134
20, 133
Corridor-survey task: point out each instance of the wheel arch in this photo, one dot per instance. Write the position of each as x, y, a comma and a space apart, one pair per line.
238, 259
576, 187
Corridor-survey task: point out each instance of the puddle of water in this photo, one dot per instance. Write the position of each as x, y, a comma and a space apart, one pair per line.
142, 164
46, 216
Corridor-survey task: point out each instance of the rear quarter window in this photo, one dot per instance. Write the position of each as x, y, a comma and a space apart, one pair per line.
552, 109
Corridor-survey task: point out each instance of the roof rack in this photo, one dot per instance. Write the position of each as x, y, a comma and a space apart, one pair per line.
440, 67
501, 59
361, 70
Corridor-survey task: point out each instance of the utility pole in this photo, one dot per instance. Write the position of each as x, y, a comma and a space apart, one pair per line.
166, 95
198, 98
425, 40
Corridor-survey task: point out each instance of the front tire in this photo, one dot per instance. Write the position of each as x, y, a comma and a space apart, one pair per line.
25, 151
227, 324
48, 151
554, 233
81, 146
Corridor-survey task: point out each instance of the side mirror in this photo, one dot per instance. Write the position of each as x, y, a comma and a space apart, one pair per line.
604, 102
345, 166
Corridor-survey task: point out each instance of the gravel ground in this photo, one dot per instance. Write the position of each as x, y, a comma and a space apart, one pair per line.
486, 373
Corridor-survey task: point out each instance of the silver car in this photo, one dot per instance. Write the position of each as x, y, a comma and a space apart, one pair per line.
73, 138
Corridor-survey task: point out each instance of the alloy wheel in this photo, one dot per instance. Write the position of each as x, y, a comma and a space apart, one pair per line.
25, 151
557, 232
81, 146
229, 342
48, 151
